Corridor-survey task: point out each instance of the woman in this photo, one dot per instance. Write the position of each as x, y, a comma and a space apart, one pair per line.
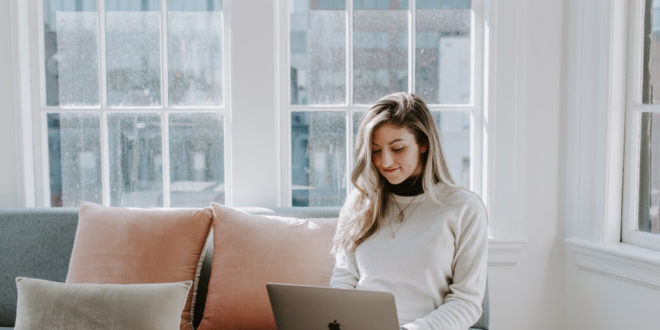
406, 228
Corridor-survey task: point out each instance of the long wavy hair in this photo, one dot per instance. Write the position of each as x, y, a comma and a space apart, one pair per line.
365, 205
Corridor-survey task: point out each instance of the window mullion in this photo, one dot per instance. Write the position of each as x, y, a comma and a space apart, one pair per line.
648, 108
411, 46
164, 90
45, 160
165, 154
285, 107
349, 94
103, 103
105, 160
349, 148
478, 152
349, 52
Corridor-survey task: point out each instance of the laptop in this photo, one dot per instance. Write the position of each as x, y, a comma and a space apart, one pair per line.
303, 307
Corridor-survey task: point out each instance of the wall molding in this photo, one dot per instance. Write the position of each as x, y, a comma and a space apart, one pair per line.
619, 261
504, 252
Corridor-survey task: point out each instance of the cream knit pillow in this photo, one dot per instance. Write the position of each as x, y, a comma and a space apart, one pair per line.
52, 305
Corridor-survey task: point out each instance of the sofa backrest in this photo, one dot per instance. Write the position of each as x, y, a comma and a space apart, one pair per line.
34, 243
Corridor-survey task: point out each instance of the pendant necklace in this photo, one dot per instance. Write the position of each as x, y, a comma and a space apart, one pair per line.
401, 217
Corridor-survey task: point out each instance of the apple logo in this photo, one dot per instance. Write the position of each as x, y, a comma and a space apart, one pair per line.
333, 326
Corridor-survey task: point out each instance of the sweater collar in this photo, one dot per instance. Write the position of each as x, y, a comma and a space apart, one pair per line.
411, 186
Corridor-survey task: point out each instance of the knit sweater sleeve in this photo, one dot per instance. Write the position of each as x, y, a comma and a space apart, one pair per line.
345, 274
462, 305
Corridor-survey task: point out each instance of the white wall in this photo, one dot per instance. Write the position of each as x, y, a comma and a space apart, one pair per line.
595, 301
529, 295
595, 57
9, 152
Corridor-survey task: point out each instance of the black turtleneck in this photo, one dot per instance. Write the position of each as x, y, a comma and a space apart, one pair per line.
411, 186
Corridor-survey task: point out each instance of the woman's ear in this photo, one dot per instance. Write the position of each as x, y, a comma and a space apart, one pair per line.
422, 149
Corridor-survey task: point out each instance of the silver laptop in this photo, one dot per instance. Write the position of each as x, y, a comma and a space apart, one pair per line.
302, 307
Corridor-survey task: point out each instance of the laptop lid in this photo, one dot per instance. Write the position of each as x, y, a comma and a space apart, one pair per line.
302, 307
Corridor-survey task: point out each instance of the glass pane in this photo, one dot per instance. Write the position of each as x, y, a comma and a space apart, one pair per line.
74, 155
649, 174
357, 116
454, 128
380, 49
318, 52
71, 53
133, 52
194, 42
197, 167
442, 51
135, 146
318, 158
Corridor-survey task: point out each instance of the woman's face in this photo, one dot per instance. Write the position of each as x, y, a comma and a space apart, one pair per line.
395, 153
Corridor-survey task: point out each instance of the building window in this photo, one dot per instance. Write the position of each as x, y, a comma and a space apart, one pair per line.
345, 55
133, 102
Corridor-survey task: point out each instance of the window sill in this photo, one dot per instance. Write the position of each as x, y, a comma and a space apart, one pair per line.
623, 262
504, 252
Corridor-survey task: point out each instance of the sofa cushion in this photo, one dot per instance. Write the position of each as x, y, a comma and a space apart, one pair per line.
131, 245
52, 305
251, 250
35, 243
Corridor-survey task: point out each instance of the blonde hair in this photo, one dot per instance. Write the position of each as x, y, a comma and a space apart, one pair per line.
362, 212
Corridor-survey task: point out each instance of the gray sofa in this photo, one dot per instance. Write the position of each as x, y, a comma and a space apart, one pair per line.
37, 242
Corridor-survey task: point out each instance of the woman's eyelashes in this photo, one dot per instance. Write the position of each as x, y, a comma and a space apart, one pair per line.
397, 149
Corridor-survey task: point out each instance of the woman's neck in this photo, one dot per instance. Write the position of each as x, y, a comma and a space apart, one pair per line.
411, 186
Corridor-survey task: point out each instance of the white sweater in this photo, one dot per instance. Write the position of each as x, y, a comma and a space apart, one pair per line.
435, 266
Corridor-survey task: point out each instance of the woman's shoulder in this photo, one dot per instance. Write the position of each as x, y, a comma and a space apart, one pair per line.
466, 202
450, 194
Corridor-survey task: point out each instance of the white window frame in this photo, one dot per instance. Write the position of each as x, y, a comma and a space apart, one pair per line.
256, 160
41, 109
601, 193
634, 110
475, 107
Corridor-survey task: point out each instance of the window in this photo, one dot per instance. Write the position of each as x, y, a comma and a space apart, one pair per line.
133, 102
641, 224
345, 55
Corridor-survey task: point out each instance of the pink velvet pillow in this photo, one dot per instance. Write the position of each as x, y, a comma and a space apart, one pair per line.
132, 246
251, 250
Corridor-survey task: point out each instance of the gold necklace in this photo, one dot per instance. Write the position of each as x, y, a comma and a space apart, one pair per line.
402, 215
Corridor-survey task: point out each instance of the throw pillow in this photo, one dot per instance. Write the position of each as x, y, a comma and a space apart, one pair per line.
130, 245
251, 250
45, 304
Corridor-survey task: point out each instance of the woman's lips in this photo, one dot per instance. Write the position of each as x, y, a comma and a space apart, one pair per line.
390, 170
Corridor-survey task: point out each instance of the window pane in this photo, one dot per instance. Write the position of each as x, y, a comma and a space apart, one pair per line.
380, 49
133, 52
71, 53
74, 154
194, 45
135, 160
651, 61
442, 51
454, 128
197, 172
357, 116
649, 178
318, 52
318, 158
